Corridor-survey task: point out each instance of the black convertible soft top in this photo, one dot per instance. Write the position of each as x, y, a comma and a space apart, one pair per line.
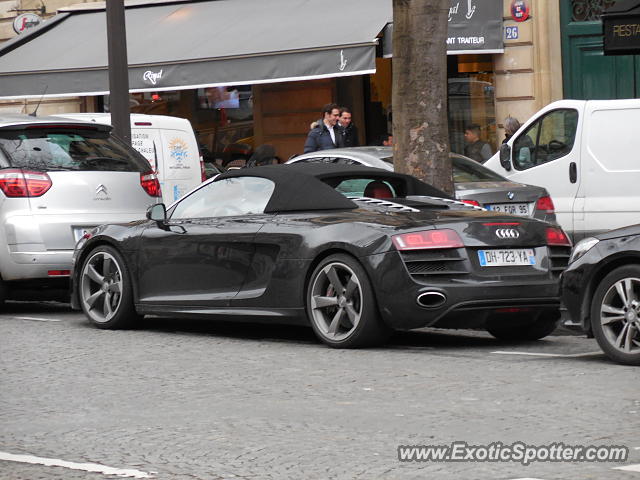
301, 187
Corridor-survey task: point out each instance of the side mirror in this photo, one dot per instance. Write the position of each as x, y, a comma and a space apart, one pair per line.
505, 156
157, 212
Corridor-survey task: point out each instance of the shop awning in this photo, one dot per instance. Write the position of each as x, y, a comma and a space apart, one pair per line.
184, 45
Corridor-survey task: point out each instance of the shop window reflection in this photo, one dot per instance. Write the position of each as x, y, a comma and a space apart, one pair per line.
471, 96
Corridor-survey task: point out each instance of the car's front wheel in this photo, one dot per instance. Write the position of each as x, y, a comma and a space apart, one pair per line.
615, 315
341, 305
105, 291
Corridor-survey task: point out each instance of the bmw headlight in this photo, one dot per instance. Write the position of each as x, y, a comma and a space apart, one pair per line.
582, 247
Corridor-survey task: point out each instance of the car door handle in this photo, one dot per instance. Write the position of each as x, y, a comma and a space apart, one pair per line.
573, 172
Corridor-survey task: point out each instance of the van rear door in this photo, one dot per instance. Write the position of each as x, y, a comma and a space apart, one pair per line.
611, 166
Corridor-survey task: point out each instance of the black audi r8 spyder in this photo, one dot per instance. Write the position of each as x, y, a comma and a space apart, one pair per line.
601, 290
353, 251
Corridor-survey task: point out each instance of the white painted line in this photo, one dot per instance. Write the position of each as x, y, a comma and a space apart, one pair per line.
37, 319
87, 467
636, 448
528, 478
561, 355
630, 468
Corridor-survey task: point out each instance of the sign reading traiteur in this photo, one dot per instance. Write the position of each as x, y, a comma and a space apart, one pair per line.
475, 26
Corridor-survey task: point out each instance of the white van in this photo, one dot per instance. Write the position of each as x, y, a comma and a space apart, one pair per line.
168, 143
586, 153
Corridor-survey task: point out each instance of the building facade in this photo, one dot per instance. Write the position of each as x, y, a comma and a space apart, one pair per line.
535, 66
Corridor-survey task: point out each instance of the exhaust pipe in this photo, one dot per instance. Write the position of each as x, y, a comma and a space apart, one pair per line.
431, 299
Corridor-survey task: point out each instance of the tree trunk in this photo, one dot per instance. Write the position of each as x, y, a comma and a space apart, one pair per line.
420, 123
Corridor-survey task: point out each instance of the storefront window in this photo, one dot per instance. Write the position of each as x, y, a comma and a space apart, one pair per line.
471, 92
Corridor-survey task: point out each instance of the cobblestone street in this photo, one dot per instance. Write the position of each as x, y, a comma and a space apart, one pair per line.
183, 400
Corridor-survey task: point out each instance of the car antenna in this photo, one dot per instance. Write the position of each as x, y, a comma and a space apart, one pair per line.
34, 113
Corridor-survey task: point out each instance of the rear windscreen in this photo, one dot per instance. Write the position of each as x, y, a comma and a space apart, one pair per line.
60, 149
465, 170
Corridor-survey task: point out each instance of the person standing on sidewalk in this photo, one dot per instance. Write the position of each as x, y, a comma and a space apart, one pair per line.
325, 135
476, 149
347, 129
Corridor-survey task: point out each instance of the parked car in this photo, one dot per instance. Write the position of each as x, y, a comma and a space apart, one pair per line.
282, 244
474, 183
60, 178
601, 290
169, 145
585, 154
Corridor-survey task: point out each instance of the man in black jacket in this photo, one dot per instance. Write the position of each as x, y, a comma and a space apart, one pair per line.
348, 131
325, 135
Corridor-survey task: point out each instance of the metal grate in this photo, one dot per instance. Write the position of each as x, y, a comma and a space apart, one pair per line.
589, 10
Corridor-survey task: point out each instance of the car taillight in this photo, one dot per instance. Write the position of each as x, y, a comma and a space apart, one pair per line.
150, 183
545, 205
203, 173
472, 202
24, 183
427, 239
556, 236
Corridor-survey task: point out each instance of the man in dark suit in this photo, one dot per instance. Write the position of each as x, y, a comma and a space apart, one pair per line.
348, 131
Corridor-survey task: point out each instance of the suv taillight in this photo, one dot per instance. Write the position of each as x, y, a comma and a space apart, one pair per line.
24, 183
150, 184
545, 205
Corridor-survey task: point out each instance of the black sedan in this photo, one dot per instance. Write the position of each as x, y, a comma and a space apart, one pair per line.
601, 289
283, 244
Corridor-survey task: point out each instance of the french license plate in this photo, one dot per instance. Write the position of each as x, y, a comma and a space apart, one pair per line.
507, 258
78, 232
510, 208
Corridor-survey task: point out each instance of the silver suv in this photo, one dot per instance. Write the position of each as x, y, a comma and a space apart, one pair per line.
58, 179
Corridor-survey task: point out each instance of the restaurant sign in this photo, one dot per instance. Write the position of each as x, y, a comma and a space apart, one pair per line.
621, 25
475, 26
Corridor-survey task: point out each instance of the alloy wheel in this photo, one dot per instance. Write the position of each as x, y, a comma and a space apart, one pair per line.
620, 315
336, 301
101, 286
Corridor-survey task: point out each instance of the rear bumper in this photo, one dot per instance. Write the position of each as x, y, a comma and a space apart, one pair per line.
469, 301
32, 265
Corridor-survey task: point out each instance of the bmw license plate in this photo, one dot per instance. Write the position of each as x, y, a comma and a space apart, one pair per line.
510, 208
507, 258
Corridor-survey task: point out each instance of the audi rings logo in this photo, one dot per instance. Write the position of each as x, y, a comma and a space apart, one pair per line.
505, 233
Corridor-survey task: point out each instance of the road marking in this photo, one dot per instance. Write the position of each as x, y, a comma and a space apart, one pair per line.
536, 354
630, 468
37, 319
87, 467
528, 478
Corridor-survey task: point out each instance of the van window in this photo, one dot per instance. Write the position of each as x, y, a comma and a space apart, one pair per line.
549, 138
226, 197
68, 149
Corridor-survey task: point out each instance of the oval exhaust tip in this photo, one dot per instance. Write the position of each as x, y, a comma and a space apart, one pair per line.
431, 299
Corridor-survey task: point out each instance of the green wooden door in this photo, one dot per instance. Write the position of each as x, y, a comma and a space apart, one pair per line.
589, 74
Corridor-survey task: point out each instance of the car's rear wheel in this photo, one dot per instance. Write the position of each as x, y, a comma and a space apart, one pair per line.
615, 315
105, 291
341, 304
531, 327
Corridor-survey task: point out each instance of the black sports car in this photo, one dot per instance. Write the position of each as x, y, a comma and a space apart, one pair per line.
285, 244
601, 289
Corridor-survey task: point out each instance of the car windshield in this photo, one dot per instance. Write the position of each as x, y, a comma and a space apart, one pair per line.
46, 149
465, 170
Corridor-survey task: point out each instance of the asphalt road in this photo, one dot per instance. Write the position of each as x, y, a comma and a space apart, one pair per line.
188, 400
